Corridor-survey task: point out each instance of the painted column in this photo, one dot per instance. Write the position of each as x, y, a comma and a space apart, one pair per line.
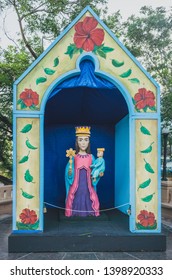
27, 169
147, 190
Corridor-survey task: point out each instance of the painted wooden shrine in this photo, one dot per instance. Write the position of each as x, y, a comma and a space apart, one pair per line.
133, 107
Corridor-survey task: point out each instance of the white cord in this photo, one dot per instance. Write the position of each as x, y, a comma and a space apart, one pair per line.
58, 207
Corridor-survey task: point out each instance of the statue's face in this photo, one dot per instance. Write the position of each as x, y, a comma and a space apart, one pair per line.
99, 153
83, 142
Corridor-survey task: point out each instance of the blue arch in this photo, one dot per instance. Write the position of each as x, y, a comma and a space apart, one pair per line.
89, 56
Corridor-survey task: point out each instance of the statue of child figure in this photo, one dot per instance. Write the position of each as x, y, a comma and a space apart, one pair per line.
98, 167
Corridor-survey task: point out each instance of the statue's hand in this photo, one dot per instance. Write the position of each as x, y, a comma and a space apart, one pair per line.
101, 174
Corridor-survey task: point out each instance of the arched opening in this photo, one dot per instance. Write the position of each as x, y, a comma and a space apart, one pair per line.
87, 99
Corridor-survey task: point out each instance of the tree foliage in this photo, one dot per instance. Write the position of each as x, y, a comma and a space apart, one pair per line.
149, 38
45, 19
12, 65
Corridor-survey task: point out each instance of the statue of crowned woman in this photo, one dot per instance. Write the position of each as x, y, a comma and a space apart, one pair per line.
81, 195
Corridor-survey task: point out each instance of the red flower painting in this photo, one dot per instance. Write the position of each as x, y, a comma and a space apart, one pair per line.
28, 98
144, 99
146, 218
87, 36
28, 216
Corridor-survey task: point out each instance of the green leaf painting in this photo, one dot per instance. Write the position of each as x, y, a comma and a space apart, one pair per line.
102, 50
56, 62
145, 109
147, 150
23, 106
101, 53
24, 159
144, 130
107, 49
49, 71
117, 63
134, 81
126, 74
139, 226
26, 195
134, 102
30, 146
35, 226
41, 80
72, 49
148, 167
145, 184
22, 226
21, 103
28, 177
26, 128
148, 198
153, 108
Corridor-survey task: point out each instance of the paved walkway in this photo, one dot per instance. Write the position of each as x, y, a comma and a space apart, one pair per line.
5, 230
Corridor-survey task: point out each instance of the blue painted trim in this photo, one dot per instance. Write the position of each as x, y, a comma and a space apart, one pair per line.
146, 116
87, 9
132, 174
25, 113
26, 231
41, 214
14, 97
14, 172
153, 231
159, 174
158, 98
27, 116
88, 56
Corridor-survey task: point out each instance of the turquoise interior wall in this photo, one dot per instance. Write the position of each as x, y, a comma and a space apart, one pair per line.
122, 178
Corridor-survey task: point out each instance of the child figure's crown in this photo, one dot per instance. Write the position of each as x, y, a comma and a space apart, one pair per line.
83, 130
100, 149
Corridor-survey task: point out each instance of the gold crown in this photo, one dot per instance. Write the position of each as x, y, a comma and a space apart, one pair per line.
101, 149
83, 130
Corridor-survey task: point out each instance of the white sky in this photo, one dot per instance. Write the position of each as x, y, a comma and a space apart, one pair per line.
126, 7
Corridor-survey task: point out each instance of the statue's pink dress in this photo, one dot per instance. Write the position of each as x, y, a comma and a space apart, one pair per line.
82, 199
